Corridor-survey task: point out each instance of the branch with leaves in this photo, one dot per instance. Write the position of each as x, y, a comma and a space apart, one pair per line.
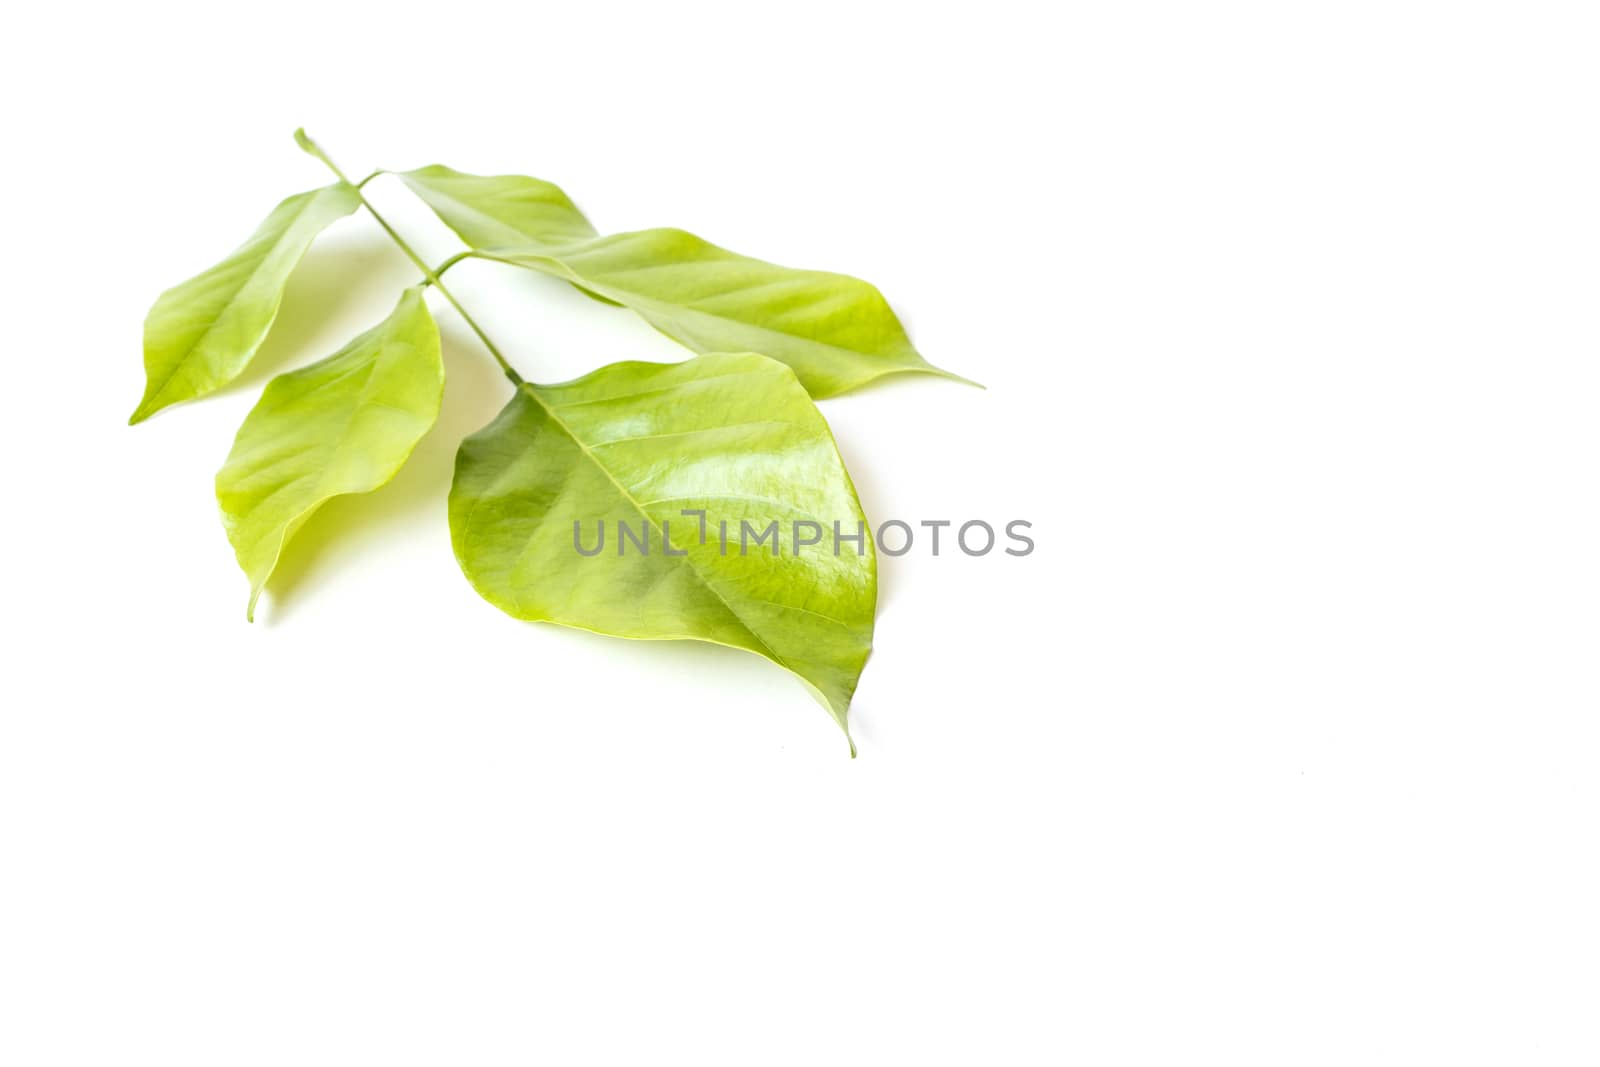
732, 432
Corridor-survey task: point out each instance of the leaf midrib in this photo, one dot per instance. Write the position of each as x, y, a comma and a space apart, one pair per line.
255, 272
909, 360
633, 501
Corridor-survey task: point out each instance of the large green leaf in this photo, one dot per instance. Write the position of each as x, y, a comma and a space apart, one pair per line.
837, 332
508, 211
639, 443
343, 425
200, 334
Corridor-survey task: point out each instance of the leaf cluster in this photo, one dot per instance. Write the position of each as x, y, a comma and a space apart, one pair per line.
732, 433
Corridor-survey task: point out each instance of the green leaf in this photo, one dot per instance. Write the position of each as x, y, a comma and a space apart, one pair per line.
202, 333
343, 425
509, 211
837, 332
638, 443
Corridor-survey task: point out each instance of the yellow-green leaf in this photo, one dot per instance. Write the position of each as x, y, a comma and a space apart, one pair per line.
343, 425
734, 436
837, 332
202, 333
506, 211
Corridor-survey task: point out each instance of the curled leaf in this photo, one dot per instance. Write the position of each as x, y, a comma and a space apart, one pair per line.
343, 425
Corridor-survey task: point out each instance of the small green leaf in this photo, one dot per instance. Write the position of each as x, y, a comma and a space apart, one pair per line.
638, 444
509, 211
202, 333
343, 425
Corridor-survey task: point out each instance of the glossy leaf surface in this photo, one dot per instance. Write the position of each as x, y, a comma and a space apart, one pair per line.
343, 425
202, 333
637, 444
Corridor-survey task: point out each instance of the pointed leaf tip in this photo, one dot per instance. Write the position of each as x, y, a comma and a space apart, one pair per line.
186, 353
837, 332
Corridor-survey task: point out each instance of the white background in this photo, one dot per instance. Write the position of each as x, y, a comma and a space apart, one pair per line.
1280, 749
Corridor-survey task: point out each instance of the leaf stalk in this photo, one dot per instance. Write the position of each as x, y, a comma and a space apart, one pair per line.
432, 276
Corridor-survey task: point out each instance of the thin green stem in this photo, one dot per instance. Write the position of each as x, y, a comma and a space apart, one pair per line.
452, 261
433, 280
428, 273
